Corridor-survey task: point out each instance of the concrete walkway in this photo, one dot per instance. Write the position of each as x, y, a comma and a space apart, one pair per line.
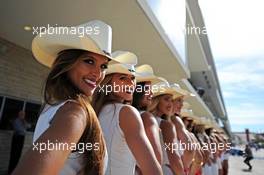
237, 166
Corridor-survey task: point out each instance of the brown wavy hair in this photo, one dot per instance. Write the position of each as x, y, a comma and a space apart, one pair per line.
138, 96
101, 98
58, 88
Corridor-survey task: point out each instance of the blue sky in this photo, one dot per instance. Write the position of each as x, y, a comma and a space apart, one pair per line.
236, 33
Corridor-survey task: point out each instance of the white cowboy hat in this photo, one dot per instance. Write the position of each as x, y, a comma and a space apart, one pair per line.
188, 113
46, 47
162, 88
146, 73
180, 92
186, 105
206, 122
198, 121
126, 63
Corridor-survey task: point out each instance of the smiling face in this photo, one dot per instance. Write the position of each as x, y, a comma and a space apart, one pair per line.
177, 105
88, 72
165, 105
123, 86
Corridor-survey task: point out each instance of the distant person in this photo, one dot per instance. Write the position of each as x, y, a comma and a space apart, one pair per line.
249, 156
20, 126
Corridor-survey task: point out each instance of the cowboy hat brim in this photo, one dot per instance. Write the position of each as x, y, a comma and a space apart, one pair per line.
45, 48
119, 68
165, 90
152, 79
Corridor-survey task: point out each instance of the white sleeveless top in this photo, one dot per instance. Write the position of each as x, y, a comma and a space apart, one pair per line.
121, 160
74, 162
164, 164
164, 152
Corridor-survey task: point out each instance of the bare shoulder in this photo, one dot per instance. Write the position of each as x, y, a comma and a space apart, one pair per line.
71, 116
128, 110
73, 111
129, 118
129, 113
149, 119
67, 126
177, 121
167, 126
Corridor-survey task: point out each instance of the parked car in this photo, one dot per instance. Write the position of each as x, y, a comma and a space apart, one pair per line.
236, 152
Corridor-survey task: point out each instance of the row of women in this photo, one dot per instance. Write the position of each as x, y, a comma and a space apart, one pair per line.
131, 119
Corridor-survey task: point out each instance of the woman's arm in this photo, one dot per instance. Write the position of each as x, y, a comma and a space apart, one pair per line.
182, 133
198, 157
67, 127
170, 138
184, 137
153, 133
133, 129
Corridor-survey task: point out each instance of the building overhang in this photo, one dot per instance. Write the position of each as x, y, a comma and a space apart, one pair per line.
197, 104
134, 28
197, 61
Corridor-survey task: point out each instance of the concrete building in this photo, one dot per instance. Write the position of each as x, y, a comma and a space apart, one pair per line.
157, 31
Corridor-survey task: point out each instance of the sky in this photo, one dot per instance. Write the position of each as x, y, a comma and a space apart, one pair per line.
235, 30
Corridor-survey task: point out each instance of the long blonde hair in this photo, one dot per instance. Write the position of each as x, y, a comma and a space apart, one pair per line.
58, 88
153, 108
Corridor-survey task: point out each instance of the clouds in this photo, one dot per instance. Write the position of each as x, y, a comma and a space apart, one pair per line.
235, 27
246, 113
235, 31
242, 74
242, 82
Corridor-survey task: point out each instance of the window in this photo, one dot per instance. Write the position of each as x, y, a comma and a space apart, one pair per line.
10, 111
11, 107
32, 113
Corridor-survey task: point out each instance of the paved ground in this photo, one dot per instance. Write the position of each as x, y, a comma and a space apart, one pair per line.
237, 166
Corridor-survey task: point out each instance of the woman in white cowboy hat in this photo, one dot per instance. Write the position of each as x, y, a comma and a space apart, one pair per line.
142, 98
209, 129
182, 132
198, 131
204, 139
210, 165
188, 118
220, 150
126, 140
78, 65
162, 108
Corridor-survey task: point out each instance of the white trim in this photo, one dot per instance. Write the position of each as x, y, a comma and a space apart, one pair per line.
197, 35
2, 107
